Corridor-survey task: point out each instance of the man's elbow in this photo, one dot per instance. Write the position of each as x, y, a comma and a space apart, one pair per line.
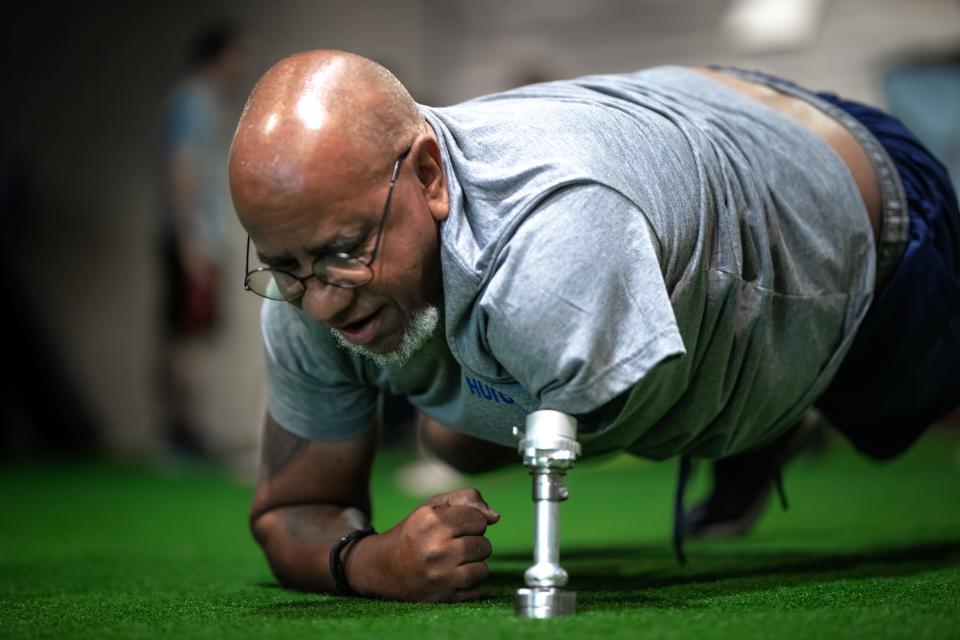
264, 528
262, 523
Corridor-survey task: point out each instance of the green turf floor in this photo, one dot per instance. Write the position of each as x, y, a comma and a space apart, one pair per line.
866, 550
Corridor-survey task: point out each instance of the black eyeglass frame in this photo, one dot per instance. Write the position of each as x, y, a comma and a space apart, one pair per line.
347, 258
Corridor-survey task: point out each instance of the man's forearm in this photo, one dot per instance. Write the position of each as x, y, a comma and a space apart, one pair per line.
311, 493
297, 540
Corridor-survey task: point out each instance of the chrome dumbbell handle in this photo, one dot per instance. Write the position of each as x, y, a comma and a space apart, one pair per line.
548, 445
548, 492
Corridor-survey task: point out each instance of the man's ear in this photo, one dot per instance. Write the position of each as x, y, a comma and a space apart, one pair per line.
429, 168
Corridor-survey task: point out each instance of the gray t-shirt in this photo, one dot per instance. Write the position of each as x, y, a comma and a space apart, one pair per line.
651, 236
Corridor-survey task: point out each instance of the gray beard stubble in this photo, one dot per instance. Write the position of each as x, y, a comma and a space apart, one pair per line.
423, 324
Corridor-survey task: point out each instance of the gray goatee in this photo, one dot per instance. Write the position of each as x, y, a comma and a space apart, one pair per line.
423, 324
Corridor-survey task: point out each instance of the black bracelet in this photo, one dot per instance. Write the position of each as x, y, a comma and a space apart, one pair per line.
336, 562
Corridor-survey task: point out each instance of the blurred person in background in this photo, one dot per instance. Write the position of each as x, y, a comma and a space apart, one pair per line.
194, 141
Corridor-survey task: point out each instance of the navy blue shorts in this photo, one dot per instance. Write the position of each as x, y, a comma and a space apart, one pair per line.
903, 369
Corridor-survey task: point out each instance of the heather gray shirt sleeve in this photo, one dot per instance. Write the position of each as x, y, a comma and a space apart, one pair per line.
316, 391
577, 308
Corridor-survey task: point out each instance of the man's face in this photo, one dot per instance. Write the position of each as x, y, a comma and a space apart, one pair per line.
338, 211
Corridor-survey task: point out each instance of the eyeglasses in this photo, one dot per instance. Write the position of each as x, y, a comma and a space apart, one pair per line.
339, 269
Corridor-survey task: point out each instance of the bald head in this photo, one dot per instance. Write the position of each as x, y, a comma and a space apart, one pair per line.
317, 119
328, 144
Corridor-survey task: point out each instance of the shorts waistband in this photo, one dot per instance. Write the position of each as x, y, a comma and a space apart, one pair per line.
894, 214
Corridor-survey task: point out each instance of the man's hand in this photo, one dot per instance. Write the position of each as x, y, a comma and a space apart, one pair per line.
436, 553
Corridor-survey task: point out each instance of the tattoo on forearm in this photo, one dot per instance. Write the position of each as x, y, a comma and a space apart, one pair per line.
280, 449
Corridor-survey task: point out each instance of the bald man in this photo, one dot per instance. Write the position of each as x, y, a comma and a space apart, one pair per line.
685, 259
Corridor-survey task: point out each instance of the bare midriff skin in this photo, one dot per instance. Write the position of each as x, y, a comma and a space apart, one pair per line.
819, 123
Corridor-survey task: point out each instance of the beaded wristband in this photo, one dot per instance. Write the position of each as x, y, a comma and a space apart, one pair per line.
336, 562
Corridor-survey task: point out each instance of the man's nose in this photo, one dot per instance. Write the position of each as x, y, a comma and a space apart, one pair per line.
325, 302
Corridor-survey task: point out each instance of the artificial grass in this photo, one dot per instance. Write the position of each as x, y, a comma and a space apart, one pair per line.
866, 551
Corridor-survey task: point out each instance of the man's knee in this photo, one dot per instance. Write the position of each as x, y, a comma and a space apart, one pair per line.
464, 453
